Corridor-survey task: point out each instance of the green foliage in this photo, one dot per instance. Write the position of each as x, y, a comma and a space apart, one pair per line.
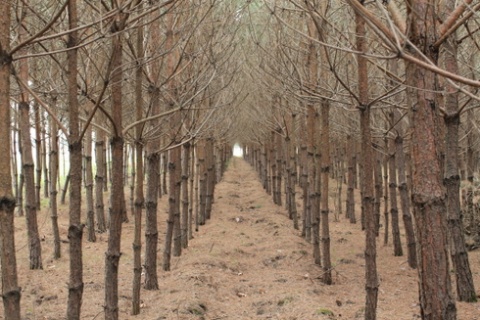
325, 312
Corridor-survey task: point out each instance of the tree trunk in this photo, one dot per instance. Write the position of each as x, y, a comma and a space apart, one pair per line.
132, 180
112, 256
367, 161
428, 192
173, 221
35, 250
46, 189
378, 190
458, 251
75, 229
10, 291
151, 232
21, 184
351, 180
53, 189
137, 180
38, 156
386, 201
392, 168
202, 183
185, 195
324, 208
192, 185
404, 195
65, 188
100, 180
89, 186
28, 170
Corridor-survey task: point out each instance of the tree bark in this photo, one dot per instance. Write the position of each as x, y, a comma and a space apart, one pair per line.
404, 194
428, 192
351, 181
324, 207
10, 291
392, 173
53, 189
89, 186
458, 251
38, 155
75, 229
112, 256
185, 195
99, 180
34, 246
367, 160
137, 180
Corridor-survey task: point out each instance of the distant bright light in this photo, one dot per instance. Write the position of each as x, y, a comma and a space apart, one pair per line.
237, 151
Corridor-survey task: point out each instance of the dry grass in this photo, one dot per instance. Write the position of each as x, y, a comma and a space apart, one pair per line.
247, 263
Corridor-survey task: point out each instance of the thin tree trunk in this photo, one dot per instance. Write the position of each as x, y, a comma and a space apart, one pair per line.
386, 211
35, 250
210, 167
202, 180
89, 186
38, 156
470, 211
132, 181
21, 183
392, 168
378, 190
279, 160
65, 188
458, 252
367, 161
173, 234
46, 190
151, 203
192, 175
198, 178
99, 181
185, 195
75, 229
324, 207
404, 196
28, 170
164, 173
137, 180
14, 164
112, 256
351, 181
53, 189
151, 229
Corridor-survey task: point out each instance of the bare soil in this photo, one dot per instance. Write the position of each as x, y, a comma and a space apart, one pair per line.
247, 262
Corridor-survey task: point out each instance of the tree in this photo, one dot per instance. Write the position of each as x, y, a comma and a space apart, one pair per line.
75, 229
10, 290
364, 106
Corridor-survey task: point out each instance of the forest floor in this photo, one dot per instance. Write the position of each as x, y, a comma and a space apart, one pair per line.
247, 262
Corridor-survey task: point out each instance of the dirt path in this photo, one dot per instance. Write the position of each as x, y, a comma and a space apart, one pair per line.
247, 262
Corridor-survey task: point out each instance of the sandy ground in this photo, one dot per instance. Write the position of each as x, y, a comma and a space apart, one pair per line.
247, 262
